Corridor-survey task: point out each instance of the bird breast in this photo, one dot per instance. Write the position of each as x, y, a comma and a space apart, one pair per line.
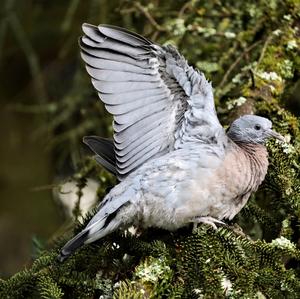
223, 191
243, 170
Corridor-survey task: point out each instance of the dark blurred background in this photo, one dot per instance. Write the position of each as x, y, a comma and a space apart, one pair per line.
48, 103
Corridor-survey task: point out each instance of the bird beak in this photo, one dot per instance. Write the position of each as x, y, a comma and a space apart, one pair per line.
276, 135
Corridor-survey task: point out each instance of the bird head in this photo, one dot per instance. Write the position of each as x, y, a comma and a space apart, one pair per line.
252, 128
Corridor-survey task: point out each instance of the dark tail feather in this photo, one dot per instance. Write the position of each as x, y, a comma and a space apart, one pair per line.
104, 150
72, 245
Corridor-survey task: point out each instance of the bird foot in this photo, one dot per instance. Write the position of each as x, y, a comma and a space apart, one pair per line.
207, 220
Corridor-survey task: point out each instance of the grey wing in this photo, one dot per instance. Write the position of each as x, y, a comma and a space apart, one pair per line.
158, 102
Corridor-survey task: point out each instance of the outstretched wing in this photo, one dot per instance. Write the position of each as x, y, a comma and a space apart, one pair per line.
158, 102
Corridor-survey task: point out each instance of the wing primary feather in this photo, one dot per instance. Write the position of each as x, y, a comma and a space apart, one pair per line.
109, 54
130, 96
120, 87
120, 76
108, 64
123, 34
92, 32
89, 46
116, 46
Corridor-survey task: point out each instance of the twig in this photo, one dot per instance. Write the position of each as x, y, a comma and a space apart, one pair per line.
127, 10
154, 35
236, 62
267, 42
230, 53
47, 187
149, 17
221, 16
184, 8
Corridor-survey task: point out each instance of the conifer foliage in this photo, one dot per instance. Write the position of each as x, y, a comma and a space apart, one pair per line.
250, 50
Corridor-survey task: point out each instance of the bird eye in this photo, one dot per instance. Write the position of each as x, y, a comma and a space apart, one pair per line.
257, 127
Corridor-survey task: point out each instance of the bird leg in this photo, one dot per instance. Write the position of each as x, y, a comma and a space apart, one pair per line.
207, 220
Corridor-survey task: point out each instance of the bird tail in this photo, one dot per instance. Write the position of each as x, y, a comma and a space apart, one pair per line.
104, 222
72, 245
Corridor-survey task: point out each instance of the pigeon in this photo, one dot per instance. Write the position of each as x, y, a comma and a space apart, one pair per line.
174, 161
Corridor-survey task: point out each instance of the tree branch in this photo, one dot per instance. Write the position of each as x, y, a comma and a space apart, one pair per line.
149, 17
236, 62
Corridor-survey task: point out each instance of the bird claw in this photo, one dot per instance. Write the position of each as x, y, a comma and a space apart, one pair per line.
207, 220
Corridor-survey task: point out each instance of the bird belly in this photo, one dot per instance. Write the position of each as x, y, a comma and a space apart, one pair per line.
174, 204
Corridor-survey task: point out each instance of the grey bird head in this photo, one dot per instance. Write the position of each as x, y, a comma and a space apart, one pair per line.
252, 128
